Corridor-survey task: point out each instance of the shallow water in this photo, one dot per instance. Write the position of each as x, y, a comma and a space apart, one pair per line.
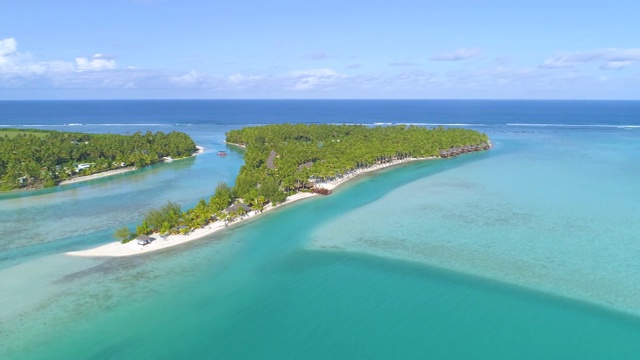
81, 215
526, 251
552, 212
256, 292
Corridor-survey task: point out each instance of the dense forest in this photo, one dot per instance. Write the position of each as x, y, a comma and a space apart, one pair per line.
289, 155
32, 159
287, 158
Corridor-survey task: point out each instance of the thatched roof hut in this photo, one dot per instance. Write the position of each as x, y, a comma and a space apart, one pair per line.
236, 206
144, 239
306, 165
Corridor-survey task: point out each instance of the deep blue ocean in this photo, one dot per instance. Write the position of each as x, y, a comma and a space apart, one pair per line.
245, 112
530, 250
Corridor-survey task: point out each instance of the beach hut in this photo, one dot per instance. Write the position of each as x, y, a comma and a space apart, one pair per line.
236, 206
144, 240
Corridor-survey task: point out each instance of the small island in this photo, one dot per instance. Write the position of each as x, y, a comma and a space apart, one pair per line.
285, 163
31, 159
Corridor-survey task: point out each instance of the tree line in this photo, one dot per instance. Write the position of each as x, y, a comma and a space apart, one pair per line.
324, 152
44, 158
286, 158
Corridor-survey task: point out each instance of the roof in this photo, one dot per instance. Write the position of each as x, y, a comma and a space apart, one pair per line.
144, 238
306, 165
235, 207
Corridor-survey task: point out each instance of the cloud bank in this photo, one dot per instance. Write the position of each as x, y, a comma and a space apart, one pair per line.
19, 64
611, 58
380, 78
97, 62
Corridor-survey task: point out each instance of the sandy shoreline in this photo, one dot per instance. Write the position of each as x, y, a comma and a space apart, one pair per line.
335, 183
117, 249
99, 175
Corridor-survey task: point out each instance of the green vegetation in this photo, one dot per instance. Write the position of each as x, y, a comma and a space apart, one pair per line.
284, 159
324, 152
33, 159
124, 234
11, 133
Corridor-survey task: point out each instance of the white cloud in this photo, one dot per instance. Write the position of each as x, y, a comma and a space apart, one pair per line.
240, 81
617, 65
97, 62
296, 80
460, 54
314, 78
15, 64
556, 62
203, 81
100, 73
19, 65
611, 58
8, 47
239, 78
188, 79
8, 54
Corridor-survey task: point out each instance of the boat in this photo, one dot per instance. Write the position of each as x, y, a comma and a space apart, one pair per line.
222, 153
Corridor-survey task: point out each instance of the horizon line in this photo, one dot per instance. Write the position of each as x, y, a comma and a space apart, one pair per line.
316, 99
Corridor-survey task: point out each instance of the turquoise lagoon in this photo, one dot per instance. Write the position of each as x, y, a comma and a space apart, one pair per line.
529, 250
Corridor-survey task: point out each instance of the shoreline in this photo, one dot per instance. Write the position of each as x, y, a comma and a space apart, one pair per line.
97, 175
117, 249
199, 150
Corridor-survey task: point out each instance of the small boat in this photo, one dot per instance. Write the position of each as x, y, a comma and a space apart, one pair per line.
222, 153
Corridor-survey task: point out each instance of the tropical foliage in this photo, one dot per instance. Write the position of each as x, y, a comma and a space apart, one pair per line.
286, 158
44, 158
322, 152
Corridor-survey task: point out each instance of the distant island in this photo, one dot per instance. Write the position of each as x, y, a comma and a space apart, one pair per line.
285, 163
31, 159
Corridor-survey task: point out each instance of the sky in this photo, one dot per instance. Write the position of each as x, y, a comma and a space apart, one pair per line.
281, 49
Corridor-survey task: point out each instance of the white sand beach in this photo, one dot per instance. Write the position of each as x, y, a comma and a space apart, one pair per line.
330, 185
117, 249
98, 175
199, 150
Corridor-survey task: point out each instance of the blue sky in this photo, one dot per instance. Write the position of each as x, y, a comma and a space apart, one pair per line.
407, 49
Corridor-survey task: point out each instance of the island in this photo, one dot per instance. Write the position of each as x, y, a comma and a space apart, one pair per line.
285, 163
31, 159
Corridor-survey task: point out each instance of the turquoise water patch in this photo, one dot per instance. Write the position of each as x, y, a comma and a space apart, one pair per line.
255, 294
548, 210
558, 215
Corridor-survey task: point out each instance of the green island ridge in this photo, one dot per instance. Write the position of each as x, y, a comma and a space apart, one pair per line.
32, 158
281, 160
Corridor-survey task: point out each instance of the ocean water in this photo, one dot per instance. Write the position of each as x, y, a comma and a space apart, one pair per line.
529, 250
